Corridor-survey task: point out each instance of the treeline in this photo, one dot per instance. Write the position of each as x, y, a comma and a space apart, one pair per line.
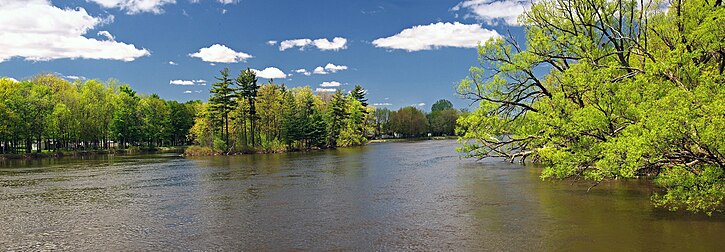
48, 113
410, 122
609, 90
243, 116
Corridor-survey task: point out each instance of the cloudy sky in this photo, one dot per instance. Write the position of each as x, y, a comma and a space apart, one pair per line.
405, 52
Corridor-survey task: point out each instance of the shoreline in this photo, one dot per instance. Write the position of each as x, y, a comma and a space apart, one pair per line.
90, 153
183, 150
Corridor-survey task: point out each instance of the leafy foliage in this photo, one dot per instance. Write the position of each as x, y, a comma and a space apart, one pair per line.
608, 90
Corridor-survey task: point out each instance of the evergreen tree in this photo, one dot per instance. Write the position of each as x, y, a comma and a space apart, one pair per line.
222, 101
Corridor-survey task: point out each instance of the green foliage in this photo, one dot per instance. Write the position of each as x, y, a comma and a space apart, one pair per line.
48, 113
409, 121
608, 90
441, 105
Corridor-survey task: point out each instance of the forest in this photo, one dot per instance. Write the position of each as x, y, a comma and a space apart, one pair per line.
48, 114
605, 90
243, 116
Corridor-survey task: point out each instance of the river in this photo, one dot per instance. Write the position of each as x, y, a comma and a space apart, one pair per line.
384, 196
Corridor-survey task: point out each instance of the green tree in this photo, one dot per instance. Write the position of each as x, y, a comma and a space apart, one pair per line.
629, 90
222, 101
441, 105
248, 88
408, 121
337, 113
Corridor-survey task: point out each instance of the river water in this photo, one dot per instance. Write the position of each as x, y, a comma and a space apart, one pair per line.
385, 196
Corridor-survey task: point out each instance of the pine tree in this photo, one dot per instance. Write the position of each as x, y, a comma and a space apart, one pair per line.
222, 101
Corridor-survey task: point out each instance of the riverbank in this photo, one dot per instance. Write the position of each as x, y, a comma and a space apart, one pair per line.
199, 151
88, 153
415, 139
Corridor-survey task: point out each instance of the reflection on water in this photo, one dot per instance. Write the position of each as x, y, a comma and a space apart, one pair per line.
388, 196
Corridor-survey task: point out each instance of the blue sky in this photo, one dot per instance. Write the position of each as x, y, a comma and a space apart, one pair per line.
404, 52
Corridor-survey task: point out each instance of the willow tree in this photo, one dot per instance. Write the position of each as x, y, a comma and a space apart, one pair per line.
606, 90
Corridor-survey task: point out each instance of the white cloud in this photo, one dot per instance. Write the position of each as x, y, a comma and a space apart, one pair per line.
173, 63
272, 42
325, 90
337, 43
382, 104
330, 84
426, 37
74, 77
332, 68
187, 92
107, 35
9, 78
220, 54
323, 44
228, 1
270, 73
188, 82
135, 6
329, 68
421, 104
319, 70
303, 71
181, 82
287, 44
494, 11
36, 30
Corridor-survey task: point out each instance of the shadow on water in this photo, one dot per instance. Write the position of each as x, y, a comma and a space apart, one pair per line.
385, 196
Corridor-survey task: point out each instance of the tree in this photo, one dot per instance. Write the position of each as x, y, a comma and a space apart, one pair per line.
336, 116
125, 125
248, 88
222, 101
608, 90
408, 121
382, 118
443, 122
441, 105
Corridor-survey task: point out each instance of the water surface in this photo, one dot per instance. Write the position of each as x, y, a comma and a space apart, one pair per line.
386, 196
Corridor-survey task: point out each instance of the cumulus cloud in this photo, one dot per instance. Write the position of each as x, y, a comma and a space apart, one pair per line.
329, 68
272, 42
9, 78
220, 54
319, 70
135, 6
173, 63
494, 11
303, 71
228, 1
323, 44
330, 84
325, 90
36, 30
270, 73
382, 104
187, 92
427, 37
421, 104
332, 68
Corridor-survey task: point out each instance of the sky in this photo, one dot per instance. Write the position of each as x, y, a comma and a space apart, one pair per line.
404, 52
